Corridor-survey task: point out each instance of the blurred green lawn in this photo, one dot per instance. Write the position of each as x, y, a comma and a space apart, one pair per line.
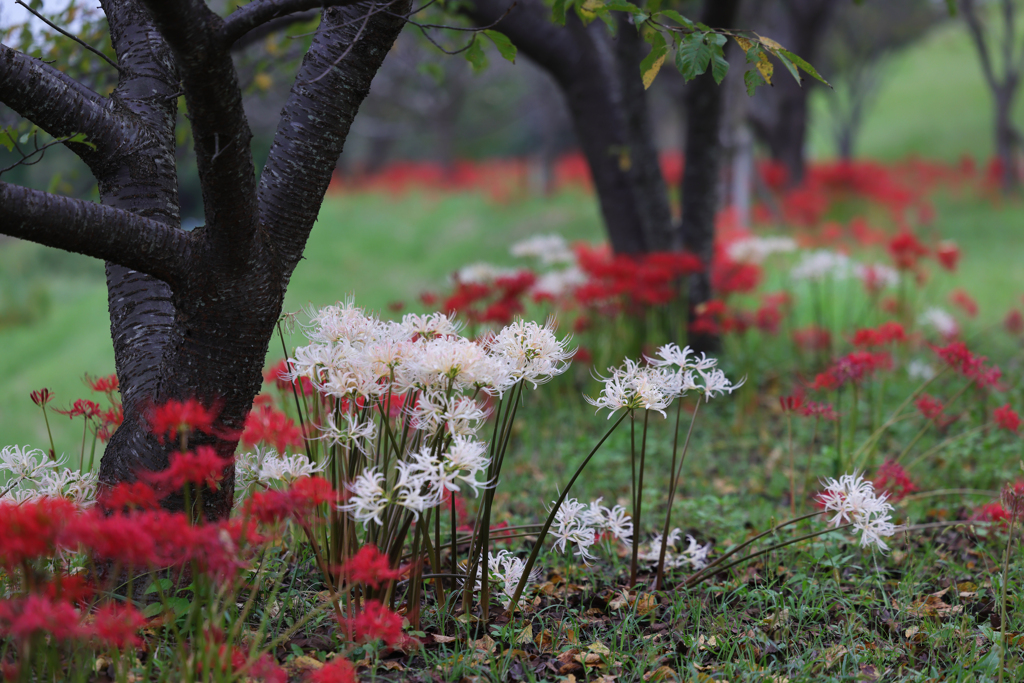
383, 249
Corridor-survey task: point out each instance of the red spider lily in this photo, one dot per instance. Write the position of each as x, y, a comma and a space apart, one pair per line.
730, 277
136, 495
790, 403
29, 531
1006, 418
41, 397
583, 356
894, 480
812, 338
102, 385
297, 502
202, 466
368, 566
932, 409
23, 618
906, 250
309, 492
338, 670
852, 367
265, 424
116, 625
71, 589
376, 622
167, 420
873, 279
991, 512
110, 420
825, 411
948, 254
959, 358
276, 375
1014, 322
265, 668
963, 300
82, 408
886, 333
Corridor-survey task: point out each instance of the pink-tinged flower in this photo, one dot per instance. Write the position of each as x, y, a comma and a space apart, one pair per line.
173, 417
1007, 418
960, 359
338, 670
825, 411
932, 409
893, 480
82, 408
41, 397
790, 403
964, 301
812, 338
948, 254
1014, 322
377, 622
29, 531
990, 512
906, 250
368, 566
202, 466
116, 625
886, 333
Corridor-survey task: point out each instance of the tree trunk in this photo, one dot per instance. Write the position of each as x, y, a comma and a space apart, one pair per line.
1007, 140
703, 100
600, 79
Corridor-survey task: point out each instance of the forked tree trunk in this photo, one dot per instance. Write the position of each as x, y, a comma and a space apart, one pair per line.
192, 313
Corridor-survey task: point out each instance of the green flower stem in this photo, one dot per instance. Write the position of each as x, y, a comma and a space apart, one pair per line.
634, 560
674, 475
551, 517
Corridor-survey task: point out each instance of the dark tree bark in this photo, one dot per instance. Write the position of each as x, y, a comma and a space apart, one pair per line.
704, 104
600, 79
1003, 86
779, 114
192, 313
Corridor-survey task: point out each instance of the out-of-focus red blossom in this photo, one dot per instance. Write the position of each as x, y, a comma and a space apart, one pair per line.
853, 367
102, 385
266, 424
887, 333
72, 589
110, 420
168, 420
1014, 322
790, 403
297, 502
812, 338
30, 530
338, 670
201, 466
82, 408
583, 356
137, 495
368, 566
581, 324
116, 625
41, 396
963, 301
990, 512
825, 411
948, 254
376, 622
894, 480
731, 277
960, 359
892, 305
265, 668
393, 404
21, 618
1006, 418
277, 375
932, 409
906, 250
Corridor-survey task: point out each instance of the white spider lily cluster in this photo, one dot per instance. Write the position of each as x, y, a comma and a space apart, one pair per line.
854, 501
582, 525
694, 555
505, 570
821, 264
654, 386
30, 475
876, 275
756, 249
940, 320
265, 466
547, 249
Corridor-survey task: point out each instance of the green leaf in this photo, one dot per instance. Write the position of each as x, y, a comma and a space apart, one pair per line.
719, 66
752, 79
159, 585
504, 45
622, 6
692, 56
7, 138
179, 605
676, 17
651, 65
475, 56
558, 11
788, 64
152, 610
716, 39
804, 65
81, 139
951, 6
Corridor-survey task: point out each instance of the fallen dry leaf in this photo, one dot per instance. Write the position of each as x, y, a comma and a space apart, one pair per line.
662, 673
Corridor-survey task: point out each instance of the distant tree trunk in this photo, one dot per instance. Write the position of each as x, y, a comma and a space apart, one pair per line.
779, 116
1003, 86
704, 103
600, 79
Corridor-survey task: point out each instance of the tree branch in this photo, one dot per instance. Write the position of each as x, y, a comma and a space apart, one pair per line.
977, 32
256, 13
59, 104
95, 230
316, 119
219, 126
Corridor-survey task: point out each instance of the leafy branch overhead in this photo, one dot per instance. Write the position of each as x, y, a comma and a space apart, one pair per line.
697, 46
